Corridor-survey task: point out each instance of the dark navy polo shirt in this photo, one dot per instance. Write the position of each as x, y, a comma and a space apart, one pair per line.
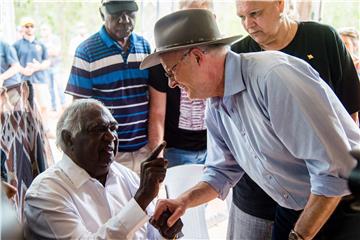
7, 58
26, 52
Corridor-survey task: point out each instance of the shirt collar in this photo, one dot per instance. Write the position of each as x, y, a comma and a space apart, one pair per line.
104, 35
77, 175
34, 41
233, 82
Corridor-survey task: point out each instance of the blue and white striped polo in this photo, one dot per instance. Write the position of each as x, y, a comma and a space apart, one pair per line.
101, 70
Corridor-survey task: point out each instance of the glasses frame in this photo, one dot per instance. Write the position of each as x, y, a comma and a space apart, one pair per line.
170, 74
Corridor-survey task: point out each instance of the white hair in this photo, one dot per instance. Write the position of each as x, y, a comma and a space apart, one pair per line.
71, 119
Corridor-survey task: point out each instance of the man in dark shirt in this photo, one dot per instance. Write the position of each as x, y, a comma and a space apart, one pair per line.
33, 54
9, 65
322, 48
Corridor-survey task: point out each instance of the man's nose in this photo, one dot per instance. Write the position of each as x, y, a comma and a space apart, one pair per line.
124, 18
248, 22
110, 135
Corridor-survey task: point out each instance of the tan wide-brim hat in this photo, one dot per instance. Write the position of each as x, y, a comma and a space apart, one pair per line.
185, 29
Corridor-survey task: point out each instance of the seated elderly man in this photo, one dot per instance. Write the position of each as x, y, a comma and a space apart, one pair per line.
86, 195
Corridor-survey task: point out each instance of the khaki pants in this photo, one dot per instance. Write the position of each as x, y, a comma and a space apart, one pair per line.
133, 160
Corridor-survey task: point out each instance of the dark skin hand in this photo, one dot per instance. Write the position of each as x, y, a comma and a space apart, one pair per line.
167, 232
153, 171
152, 174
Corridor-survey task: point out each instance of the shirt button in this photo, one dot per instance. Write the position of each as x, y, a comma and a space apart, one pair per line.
286, 196
270, 177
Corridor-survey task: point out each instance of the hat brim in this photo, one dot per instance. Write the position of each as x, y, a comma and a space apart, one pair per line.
154, 58
116, 7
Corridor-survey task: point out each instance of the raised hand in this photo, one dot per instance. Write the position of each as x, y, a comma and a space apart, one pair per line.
153, 171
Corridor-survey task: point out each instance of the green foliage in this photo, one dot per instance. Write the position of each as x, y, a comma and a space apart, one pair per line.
64, 15
342, 13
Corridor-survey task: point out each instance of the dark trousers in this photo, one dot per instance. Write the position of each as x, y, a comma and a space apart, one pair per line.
344, 223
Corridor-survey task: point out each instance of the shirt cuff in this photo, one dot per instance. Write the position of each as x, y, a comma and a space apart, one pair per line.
131, 218
218, 181
329, 186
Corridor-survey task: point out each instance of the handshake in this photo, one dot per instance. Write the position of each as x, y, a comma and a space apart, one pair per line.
152, 174
173, 232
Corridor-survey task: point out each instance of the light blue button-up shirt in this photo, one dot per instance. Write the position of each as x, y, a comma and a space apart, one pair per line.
282, 125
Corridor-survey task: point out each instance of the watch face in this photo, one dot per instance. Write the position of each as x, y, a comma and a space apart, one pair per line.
293, 236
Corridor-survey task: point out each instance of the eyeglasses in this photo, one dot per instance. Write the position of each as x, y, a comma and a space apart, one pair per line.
170, 74
29, 26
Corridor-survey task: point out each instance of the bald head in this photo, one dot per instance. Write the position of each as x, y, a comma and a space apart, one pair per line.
202, 4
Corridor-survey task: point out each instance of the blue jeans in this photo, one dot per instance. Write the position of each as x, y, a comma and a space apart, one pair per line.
55, 88
177, 156
52, 89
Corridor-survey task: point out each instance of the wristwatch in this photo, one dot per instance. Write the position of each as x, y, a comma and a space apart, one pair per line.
295, 236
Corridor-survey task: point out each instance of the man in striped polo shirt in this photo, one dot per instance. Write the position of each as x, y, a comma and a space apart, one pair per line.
106, 67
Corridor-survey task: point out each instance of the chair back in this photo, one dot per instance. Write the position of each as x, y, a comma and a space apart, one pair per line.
178, 180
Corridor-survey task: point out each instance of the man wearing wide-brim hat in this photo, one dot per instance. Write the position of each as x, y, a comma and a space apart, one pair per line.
269, 115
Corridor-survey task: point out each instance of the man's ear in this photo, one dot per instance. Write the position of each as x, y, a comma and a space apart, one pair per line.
101, 13
116, 145
67, 138
198, 55
281, 6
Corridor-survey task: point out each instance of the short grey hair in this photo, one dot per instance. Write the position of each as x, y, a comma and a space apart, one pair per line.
71, 119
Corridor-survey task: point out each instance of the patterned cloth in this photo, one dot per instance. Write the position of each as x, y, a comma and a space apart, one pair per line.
25, 151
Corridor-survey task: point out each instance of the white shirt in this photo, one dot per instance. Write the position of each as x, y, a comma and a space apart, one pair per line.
64, 202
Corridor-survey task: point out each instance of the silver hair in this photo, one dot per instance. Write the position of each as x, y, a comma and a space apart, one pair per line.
71, 119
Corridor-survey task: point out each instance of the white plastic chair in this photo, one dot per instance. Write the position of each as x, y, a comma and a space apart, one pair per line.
178, 180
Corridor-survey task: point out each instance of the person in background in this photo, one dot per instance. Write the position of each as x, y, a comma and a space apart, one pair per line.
319, 45
87, 195
270, 115
9, 65
10, 68
106, 67
174, 117
33, 54
53, 44
350, 38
